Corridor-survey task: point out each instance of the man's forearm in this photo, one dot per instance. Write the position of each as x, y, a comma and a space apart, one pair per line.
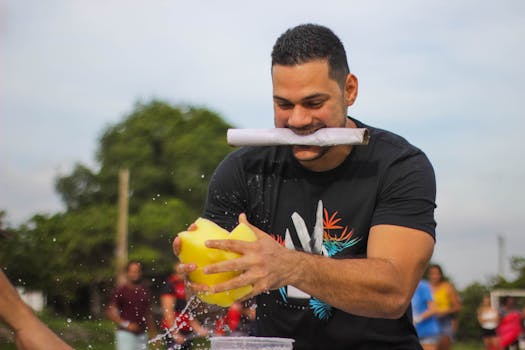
366, 287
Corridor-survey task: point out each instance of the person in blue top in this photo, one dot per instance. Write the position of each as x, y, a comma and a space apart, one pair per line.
423, 310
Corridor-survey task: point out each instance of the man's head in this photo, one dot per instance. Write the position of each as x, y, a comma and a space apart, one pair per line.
312, 89
134, 271
311, 42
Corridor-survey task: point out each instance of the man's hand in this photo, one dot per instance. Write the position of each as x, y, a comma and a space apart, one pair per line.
184, 269
265, 264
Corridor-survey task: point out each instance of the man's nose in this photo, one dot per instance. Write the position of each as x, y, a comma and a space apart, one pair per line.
300, 117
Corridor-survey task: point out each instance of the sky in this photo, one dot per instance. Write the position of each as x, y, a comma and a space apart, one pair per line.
446, 75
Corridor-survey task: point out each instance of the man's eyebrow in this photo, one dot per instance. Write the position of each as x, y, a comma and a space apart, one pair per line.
315, 96
275, 97
306, 98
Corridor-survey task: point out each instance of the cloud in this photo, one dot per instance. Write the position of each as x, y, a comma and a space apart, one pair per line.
448, 78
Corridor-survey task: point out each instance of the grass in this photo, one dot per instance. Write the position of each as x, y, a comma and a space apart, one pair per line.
92, 334
468, 346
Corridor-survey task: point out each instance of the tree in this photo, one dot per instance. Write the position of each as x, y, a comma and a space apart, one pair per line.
471, 298
171, 152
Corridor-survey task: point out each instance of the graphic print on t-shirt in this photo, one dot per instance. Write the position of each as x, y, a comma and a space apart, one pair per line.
328, 238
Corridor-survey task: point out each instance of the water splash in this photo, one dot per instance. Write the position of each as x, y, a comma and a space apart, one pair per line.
193, 303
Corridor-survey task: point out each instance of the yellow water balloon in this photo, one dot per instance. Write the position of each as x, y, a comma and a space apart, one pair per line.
194, 250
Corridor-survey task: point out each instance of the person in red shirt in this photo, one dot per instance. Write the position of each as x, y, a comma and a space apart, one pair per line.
130, 309
173, 300
238, 321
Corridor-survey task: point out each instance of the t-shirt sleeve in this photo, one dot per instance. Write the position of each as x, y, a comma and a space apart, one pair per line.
407, 194
227, 195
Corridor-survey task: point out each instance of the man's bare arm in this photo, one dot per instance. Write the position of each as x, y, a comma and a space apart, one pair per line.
379, 286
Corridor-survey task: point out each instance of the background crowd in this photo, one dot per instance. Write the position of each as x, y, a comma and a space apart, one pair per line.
132, 307
436, 306
181, 319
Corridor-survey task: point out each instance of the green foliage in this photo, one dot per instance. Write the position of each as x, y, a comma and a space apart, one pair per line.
64, 252
518, 266
152, 229
471, 298
79, 189
170, 152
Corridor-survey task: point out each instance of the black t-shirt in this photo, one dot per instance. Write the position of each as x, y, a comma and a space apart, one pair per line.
387, 181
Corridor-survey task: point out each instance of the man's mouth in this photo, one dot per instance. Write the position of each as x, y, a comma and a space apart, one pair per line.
304, 132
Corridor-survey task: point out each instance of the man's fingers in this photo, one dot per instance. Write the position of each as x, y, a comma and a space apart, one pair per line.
184, 269
176, 246
234, 283
258, 233
198, 287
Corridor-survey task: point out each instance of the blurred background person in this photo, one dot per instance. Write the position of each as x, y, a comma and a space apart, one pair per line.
510, 325
488, 319
130, 309
424, 310
446, 300
173, 300
238, 321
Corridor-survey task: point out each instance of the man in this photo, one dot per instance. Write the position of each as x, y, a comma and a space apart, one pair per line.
356, 223
130, 309
30, 332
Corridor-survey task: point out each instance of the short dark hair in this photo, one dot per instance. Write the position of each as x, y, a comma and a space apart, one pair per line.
309, 42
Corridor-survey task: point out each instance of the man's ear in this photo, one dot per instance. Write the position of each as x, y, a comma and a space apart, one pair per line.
351, 85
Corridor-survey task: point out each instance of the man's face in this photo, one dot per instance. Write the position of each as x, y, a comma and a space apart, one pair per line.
134, 273
305, 100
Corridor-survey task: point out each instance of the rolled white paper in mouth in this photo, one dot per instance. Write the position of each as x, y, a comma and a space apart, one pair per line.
285, 136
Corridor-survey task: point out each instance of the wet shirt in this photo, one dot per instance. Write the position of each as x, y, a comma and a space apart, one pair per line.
387, 181
133, 303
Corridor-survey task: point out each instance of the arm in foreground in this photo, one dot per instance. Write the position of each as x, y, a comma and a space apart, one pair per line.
379, 286
30, 332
